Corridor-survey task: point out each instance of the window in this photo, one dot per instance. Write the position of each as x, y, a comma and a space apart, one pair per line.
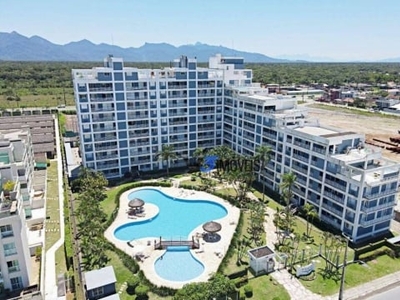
6, 231
16, 283
9, 249
98, 291
13, 266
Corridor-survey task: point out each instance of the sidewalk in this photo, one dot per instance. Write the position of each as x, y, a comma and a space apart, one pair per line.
50, 286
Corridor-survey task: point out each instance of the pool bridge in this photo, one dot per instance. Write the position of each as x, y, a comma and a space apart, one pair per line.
163, 244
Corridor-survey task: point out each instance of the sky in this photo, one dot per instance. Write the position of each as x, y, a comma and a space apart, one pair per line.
337, 29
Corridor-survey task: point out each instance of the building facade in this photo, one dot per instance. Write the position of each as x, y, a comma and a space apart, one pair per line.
16, 172
126, 115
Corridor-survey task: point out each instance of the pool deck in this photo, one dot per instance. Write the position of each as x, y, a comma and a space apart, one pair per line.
210, 254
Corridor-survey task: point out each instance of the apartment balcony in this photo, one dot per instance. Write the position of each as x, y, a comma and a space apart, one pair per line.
174, 131
102, 89
133, 134
365, 223
300, 157
103, 109
177, 114
332, 196
302, 145
251, 129
301, 181
206, 112
330, 221
103, 119
98, 99
104, 138
108, 156
141, 161
177, 122
141, 125
136, 88
139, 144
179, 104
377, 207
319, 150
7, 208
300, 169
206, 144
206, 128
107, 166
105, 129
206, 136
380, 194
335, 184
102, 148
137, 117
251, 119
206, 94
204, 102
332, 209
140, 153
137, 107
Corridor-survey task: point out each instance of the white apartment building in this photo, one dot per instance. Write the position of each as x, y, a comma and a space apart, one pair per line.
126, 115
16, 166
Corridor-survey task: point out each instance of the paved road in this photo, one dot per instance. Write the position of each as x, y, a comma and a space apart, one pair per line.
387, 295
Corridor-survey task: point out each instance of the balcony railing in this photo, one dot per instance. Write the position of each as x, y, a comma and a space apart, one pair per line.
332, 209
377, 207
334, 197
106, 99
103, 119
366, 223
380, 194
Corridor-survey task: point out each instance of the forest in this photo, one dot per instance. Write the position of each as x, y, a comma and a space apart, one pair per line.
46, 84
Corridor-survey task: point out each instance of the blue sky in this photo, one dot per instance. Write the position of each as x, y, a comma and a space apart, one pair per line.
339, 29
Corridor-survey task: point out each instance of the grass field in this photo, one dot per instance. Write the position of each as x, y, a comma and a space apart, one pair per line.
52, 206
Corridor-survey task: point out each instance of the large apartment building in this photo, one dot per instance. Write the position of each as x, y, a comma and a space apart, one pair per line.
126, 115
16, 172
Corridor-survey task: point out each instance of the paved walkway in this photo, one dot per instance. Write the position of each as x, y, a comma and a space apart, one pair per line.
50, 282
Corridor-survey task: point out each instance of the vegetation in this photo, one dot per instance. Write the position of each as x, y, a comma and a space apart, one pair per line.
91, 218
167, 154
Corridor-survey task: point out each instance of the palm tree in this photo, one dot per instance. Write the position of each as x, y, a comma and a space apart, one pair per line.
167, 154
263, 155
310, 213
287, 184
199, 154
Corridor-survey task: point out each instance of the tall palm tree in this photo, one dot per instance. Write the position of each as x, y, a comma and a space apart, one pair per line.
287, 184
199, 154
167, 154
311, 213
263, 155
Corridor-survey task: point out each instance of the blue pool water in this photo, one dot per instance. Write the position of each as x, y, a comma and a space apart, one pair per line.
176, 217
178, 264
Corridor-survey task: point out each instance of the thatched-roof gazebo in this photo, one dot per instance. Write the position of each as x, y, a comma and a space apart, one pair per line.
212, 227
136, 203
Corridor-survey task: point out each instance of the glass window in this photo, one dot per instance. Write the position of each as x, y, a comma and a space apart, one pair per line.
6, 231
16, 283
13, 266
9, 249
98, 291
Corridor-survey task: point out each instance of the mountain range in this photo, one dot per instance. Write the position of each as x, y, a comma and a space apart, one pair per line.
16, 47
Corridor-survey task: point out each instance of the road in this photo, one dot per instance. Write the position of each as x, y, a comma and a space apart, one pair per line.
393, 293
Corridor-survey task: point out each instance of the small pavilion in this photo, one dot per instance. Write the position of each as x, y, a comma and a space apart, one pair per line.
262, 260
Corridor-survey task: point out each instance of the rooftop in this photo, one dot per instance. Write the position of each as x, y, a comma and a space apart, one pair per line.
261, 252
316, 131
101, 277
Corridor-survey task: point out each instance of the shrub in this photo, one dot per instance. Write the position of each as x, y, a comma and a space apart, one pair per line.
141, 290
248, 291
242, 296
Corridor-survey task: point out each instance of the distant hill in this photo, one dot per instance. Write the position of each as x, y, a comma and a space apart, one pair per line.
16, 47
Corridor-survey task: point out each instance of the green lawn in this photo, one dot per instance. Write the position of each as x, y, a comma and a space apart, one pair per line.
52, 206
264, 287
39, 100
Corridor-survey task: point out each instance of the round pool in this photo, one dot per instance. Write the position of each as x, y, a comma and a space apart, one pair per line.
178, 264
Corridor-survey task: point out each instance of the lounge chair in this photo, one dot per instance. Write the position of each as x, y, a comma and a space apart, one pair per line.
132, 217
141, 215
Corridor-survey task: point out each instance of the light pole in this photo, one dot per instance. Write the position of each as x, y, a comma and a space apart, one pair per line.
344, 268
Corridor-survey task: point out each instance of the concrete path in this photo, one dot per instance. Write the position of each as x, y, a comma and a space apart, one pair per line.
50, 284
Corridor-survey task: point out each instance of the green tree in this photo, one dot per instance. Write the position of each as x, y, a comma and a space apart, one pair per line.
311, 213
263, 155
167, 154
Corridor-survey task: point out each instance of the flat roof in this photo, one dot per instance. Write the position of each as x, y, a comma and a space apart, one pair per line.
101, 277
316, 131
112, 297
261, 252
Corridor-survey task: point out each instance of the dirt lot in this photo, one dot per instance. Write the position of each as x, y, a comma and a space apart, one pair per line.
372, 126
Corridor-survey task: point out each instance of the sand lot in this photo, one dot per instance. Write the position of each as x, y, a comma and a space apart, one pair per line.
372, 126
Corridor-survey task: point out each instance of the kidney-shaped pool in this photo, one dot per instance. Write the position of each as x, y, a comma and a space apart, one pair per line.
176, 217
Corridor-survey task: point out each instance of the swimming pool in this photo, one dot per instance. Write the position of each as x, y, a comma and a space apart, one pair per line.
176, 217
178, 264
